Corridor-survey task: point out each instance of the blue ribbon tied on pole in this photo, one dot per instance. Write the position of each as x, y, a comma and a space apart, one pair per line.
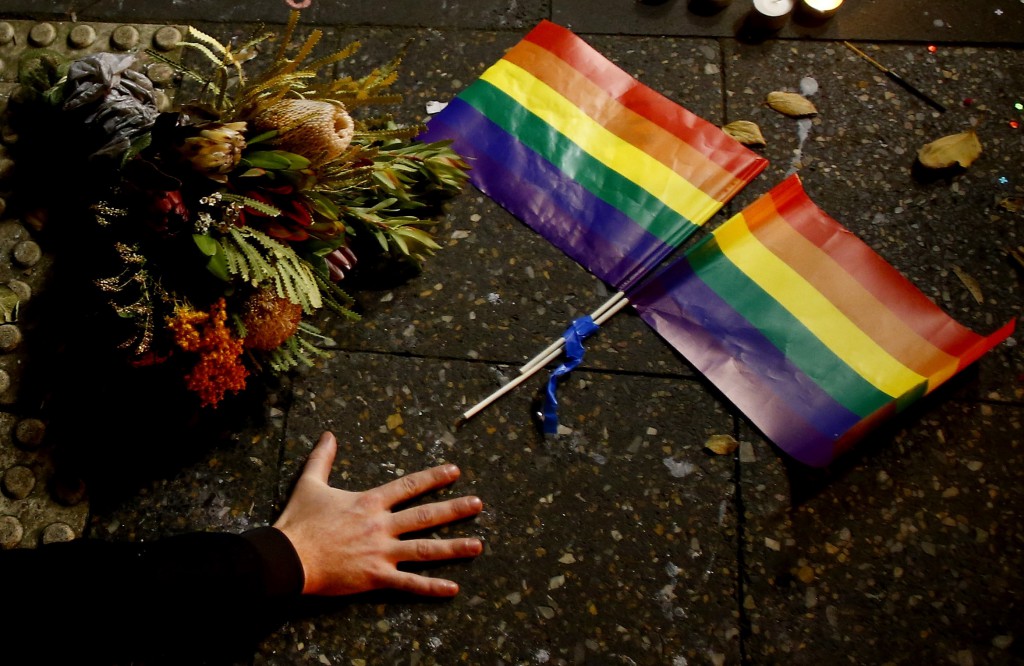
578, 331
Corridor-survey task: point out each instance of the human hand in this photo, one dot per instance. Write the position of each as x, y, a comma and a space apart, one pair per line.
348, 542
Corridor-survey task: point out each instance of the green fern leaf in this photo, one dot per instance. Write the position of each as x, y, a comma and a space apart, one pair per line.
339, 55
279, 287
217, 265
240, 328
305, 350
257, 258
234, 260
334, 297
213, 58
249, 202
207, 39
184, 71
286, 37
256, 264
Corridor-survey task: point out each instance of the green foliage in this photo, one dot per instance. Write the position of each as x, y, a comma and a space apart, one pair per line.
386, 184
393, 199
249, 202
258, 259
275, 160
187, 72
334, 296
296, 350
41, 69
9, 303
41, 74
139, 144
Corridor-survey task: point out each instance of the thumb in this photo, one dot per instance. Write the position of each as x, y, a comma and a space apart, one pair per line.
321, 458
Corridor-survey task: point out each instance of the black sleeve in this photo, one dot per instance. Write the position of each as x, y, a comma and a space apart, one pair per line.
196, 594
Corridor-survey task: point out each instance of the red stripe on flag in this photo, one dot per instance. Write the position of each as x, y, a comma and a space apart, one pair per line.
876, 275
675, 152
720, 147
885, 327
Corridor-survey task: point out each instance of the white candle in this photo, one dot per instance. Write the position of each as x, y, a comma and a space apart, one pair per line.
772, 14
821, 9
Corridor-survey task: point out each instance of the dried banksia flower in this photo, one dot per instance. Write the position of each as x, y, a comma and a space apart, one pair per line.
319, 131
269, 320
216, 150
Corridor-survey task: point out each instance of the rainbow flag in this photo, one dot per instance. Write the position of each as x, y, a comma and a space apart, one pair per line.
608, 170
808, 331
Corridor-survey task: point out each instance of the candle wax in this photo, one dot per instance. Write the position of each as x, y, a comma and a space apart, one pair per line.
773, 8
823, 5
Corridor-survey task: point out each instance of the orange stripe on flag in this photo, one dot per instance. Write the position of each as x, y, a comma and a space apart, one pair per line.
843, 290
664, 146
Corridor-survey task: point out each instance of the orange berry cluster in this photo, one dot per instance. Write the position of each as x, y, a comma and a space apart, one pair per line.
219, 368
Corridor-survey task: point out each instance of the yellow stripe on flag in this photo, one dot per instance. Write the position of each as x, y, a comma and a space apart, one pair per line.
662, 182
823, 319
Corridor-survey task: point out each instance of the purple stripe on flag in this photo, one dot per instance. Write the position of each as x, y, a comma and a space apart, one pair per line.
593, 233
781, 400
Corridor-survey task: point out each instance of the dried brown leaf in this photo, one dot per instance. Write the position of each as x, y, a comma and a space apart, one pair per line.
962, 149
791, 104
746, 132
1017, 254
973, 286
723, 445
1012, 204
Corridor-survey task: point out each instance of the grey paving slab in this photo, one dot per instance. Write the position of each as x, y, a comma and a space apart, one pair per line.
151, 463
234, 34
615, 544
945, 21
216, 481
269, 11
908, 552
498, 290
984, 21
487, 14
622, 541
440, 63
856, 159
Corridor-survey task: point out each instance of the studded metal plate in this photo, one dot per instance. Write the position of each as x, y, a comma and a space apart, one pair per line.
36, 507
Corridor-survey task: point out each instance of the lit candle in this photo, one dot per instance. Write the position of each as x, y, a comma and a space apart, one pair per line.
772, 14
820, 9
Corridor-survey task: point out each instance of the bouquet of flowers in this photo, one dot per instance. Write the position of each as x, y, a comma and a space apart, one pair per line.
228, 220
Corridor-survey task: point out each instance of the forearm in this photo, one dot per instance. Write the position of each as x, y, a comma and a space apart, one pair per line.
189, 590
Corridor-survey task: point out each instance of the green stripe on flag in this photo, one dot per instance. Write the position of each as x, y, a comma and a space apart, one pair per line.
784, 331
609, 185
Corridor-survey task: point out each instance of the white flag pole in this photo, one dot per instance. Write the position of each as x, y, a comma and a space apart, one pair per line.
607, 311
557, 344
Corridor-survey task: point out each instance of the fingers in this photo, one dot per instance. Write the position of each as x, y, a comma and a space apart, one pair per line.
432, 550
321, 458
417, 483
432, 515
424, 585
